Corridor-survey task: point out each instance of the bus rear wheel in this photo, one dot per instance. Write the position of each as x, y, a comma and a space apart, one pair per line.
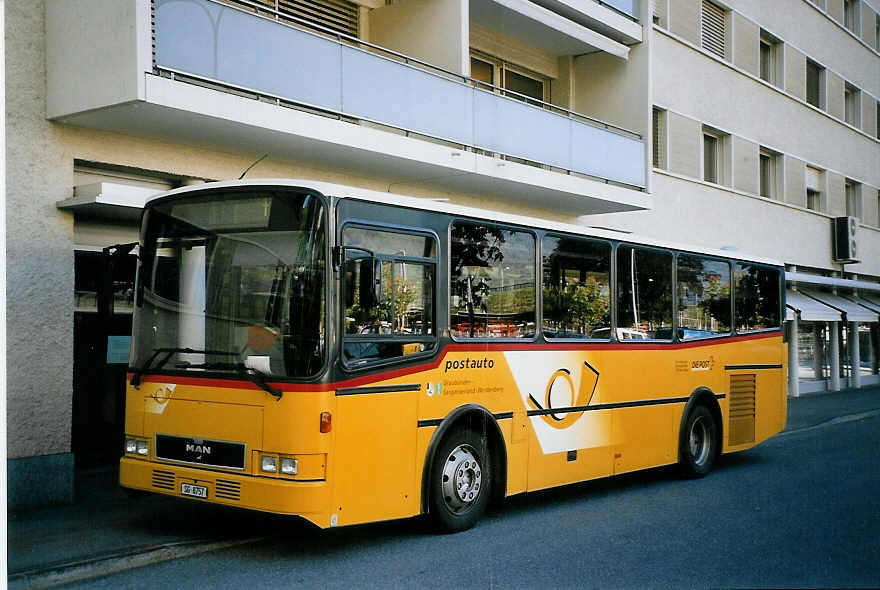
698, 443
461, 481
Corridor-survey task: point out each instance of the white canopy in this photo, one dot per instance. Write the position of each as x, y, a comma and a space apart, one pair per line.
810, 309
854, 312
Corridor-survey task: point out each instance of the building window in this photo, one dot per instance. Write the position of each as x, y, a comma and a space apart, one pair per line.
814, 189
878, 208
852, 105
770, 62
713, 29
853, 192
851, 13
878, 119
523, 84
658, 133
714, 152
877, 31
769, 173
658, 12
815, 84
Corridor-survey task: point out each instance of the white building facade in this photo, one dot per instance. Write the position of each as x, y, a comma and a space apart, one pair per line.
735, 125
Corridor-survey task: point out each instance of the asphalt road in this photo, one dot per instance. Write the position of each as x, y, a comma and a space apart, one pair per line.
801, 510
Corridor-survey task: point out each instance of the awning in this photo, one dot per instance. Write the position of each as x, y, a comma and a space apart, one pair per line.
109, 200
854, 312
866, 302
810, 309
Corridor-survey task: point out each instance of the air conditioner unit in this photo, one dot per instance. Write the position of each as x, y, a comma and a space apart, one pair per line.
845, 244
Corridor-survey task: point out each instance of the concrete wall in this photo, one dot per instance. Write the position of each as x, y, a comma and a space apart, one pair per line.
752, 110
745, 165
800, 25
747, 224
411, 27
869, 115
869, 23
746, 40
684, 19
614, 90
795, 186
685, 149
834, 96
795, 72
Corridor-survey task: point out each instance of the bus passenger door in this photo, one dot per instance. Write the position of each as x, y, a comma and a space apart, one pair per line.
375, 455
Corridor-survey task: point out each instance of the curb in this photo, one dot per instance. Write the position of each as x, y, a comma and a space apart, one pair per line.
96, 567
832, 422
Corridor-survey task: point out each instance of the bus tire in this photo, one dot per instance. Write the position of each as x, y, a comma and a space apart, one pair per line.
461, 481
698, 443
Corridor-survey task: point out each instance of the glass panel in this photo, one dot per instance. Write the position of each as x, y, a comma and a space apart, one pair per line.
710, 158
482, 71
390, 242
523, 85
238, 274
389, 303
644, 294
814, 84
765, 175
757, 297
703, 297
576, 290
492, 282
766, 62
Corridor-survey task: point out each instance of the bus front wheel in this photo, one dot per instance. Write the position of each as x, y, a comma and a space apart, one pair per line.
461, 481
697, 447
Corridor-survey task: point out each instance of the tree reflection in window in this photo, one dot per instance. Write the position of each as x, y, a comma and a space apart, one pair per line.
644, 293
576, 288
492, 280
757, 297
703, 297
394, 316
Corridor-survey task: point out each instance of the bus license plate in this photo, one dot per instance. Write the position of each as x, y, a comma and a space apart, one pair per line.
188, 489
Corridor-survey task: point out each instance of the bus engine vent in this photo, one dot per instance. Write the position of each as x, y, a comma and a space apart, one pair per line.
228, 490
163, 479
742, 409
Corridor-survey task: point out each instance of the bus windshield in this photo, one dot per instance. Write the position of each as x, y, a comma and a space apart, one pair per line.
232, 281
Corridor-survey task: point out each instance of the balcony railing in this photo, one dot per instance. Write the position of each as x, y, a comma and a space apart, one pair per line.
335, 73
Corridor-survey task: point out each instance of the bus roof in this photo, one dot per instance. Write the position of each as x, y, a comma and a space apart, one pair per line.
427, 204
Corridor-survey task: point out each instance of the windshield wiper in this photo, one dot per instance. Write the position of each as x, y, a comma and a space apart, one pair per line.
251, 374
139, 372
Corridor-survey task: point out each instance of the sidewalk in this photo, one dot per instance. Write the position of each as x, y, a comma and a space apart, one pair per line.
104, 531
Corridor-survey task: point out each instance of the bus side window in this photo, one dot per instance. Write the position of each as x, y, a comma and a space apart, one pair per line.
389, 296
757, 297
492, 282
644, 293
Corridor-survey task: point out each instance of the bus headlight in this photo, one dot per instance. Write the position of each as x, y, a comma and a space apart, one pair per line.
130, 445
143, 448
289, 466
268, 464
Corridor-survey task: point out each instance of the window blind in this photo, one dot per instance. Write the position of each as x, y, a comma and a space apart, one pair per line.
712, 29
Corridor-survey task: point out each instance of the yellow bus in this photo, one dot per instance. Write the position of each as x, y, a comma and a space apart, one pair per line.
350, 356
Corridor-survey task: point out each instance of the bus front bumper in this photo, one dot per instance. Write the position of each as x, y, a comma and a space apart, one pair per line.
308, 499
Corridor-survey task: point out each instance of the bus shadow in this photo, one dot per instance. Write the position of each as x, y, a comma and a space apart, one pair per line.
298, 537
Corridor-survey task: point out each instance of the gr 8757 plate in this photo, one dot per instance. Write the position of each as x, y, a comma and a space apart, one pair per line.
189, 489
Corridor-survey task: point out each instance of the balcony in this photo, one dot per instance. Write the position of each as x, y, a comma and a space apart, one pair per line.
220, 76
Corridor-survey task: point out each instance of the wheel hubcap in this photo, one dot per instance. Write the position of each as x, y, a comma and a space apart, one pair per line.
700, 441
462, 479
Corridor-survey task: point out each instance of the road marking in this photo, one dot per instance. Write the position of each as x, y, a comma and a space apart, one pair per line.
834, 422
87, 569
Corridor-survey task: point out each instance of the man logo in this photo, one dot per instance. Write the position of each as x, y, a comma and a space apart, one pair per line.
561, 384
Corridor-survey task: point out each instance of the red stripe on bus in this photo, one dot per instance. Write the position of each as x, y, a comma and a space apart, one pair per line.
455, 347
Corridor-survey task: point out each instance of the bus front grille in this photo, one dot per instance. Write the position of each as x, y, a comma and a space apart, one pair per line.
741, 424
163, 479
228, 490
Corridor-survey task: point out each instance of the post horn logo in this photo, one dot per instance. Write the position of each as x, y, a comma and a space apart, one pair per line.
562, 417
